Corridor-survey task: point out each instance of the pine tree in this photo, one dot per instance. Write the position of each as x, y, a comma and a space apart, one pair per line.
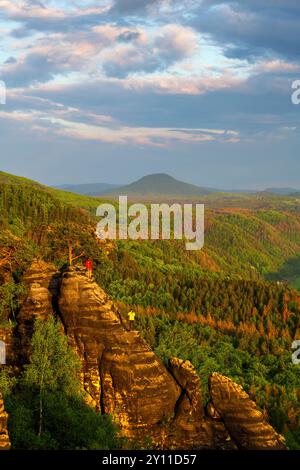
53, 365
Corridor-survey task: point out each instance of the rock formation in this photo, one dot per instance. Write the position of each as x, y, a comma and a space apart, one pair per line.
244, 422
121, 373
41, 282
4, 438
191, 399
190, 425
7, 336
122, 376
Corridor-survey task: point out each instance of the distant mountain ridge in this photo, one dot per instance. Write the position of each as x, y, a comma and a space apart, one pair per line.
282, 191
89, 189
155, 184
163, 184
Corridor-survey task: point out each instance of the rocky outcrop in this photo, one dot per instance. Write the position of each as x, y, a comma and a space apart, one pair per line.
4, 437
9, 339
244, 422
41, 282
122, 376
189, 406
190, 425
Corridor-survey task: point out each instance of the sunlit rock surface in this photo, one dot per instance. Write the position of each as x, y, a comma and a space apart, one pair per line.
121, 373
41, 283
4, 437
245, 423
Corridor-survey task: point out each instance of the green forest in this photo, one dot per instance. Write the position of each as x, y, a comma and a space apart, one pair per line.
228, 308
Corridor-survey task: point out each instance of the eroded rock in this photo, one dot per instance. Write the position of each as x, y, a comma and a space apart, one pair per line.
41, 282
121, 373
9, 339
190, 424
245, 423
4, 437
190, 405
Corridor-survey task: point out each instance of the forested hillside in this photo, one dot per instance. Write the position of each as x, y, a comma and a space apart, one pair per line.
214, 307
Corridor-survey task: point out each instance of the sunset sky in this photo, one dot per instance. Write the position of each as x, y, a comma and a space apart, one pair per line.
109, 91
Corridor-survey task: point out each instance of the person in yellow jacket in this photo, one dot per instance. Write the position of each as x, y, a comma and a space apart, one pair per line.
131, 318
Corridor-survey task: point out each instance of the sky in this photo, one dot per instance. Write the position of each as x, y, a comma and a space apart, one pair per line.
112, 90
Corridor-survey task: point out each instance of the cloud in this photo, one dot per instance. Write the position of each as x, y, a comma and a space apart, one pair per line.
153, 8
149, 51
153, 136
259, 101
114, 50
46, 116
251, 28
60, 123
44, 60
151, 74
170, 85
43, 16
134, 6
277, 66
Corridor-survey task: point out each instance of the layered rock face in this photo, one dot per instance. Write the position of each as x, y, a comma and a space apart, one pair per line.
9, 339
245, 423
122, 375
191, 426
41, 282
4, 438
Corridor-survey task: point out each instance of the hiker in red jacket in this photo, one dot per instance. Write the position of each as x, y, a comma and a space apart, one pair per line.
89, 268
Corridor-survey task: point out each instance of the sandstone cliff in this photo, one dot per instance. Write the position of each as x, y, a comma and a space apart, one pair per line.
245, 423
41, 282
122, 376
4, 438
121, 373
7, 335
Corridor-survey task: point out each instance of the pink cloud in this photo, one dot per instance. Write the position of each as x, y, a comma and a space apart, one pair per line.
277, 66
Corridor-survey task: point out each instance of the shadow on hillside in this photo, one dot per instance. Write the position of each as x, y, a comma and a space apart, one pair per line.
288, 273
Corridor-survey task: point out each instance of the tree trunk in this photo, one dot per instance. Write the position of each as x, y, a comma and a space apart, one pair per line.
41, 416
70, 255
